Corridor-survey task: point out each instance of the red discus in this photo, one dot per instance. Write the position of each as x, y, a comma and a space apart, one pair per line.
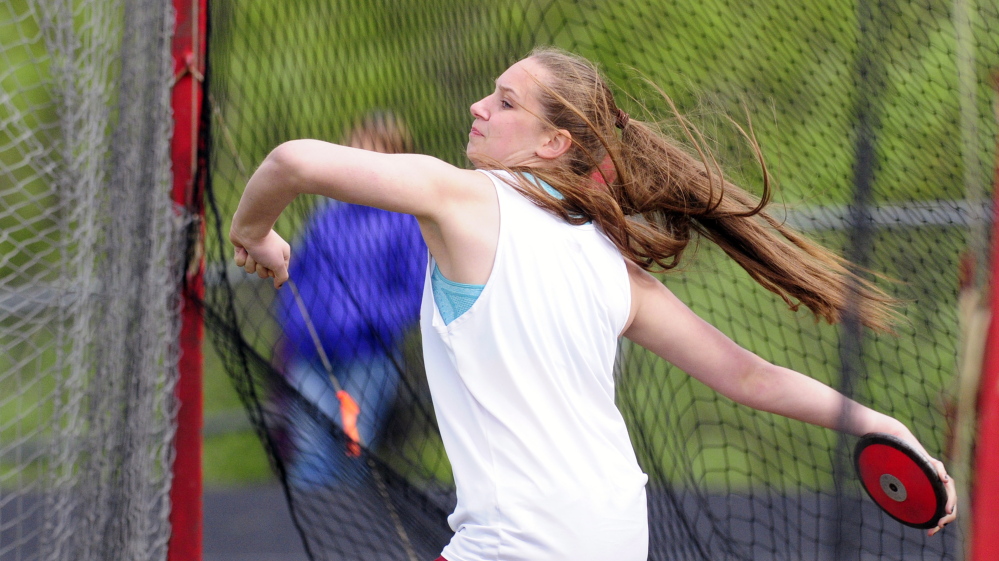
900, 480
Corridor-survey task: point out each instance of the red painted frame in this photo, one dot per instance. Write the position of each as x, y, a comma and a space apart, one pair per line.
985, 489
186, 518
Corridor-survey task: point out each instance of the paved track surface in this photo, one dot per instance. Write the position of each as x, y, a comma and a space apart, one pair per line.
249, 524
253, 524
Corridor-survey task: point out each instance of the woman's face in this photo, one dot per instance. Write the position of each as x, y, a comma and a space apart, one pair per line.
506, 127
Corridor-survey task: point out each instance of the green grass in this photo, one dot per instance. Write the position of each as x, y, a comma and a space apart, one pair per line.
234, 460
796, 81
696, 433
908, 373
727, 446
27, 404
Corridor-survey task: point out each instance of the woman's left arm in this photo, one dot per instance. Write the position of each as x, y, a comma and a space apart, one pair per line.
663, 324
425, 187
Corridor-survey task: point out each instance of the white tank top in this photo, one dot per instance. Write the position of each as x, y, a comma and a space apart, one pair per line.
523, 389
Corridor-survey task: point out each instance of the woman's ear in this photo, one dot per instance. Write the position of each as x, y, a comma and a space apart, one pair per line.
558, 144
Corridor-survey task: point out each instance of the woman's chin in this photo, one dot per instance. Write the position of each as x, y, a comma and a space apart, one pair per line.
478, 160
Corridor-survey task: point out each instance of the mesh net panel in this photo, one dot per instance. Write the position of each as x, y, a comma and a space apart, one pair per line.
90, 255
876, 123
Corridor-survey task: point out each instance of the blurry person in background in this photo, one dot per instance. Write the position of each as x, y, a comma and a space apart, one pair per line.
359, 271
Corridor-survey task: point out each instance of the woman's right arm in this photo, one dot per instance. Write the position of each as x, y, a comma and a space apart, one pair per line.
663, 324
425, 187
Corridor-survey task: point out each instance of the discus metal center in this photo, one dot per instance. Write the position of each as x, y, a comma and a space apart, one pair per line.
893, 487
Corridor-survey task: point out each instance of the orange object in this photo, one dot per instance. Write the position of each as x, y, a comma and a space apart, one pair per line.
349, 410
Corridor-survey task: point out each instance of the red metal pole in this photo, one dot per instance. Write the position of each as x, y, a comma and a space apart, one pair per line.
186, 490
985, 491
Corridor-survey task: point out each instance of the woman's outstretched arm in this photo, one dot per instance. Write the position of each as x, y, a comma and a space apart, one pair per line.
450, 203
663, 324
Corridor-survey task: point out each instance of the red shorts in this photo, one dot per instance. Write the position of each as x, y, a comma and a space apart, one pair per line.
440, 559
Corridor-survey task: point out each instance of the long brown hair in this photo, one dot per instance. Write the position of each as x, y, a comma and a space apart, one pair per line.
660, 195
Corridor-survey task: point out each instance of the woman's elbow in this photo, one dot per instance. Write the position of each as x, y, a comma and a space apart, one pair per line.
288, 165
758, 384
286, 157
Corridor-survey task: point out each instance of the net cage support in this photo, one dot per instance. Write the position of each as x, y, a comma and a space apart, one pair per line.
990, 373
186, 513
984, 519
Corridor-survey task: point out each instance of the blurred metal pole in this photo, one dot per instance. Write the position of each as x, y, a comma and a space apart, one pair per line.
973, 299
983, 521
870, 83
189, 50
974, 176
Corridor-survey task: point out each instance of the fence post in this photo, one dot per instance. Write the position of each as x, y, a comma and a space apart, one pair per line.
186, 517
870, 83
984, 517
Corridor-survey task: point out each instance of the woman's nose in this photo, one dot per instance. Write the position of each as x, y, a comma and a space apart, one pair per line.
478, 109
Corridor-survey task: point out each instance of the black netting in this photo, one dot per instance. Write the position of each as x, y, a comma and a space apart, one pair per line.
868, 128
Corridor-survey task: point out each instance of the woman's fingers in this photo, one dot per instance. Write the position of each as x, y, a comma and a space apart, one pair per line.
950, 509
280, 277
267, 258
250, 264
240, 256
263, 272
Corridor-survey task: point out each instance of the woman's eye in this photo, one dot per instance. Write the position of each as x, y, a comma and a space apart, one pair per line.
505, 104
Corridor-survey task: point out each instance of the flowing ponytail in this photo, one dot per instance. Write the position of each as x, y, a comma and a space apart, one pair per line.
679, 190
661, 195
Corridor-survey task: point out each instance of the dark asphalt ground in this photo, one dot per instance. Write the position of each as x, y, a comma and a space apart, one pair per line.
249, 524
253, 524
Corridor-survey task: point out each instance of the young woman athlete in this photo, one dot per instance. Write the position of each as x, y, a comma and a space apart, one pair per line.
536, 270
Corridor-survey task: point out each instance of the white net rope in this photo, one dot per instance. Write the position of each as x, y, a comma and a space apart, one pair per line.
91, 253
